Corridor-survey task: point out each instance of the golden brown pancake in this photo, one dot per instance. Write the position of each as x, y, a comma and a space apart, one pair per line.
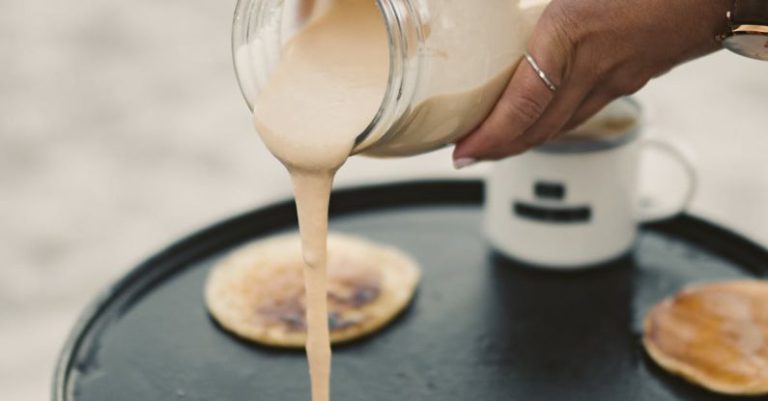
715, 335
257, 292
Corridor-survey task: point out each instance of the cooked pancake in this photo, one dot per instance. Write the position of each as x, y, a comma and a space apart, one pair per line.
715, 335
257, 292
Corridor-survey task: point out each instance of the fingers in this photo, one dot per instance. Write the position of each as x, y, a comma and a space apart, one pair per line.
604, 92
588, 108
524, 101
553, 121
528, 99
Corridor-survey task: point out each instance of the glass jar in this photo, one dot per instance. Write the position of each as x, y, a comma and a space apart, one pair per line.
450, 60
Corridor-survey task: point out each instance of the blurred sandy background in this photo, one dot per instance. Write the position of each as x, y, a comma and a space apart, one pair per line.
121, 129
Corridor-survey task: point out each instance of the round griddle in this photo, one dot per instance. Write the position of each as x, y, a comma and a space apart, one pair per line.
481, 327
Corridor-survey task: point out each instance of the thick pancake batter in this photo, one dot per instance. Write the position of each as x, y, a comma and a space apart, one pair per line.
329, 84
324, 93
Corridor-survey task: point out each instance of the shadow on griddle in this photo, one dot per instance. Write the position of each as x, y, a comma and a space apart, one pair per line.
574, 329
568, 328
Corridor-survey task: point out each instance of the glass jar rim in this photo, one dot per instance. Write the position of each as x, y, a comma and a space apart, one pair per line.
404, 31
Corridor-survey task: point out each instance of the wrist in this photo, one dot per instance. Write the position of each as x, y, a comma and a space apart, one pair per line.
717, 18
747, 32
702, 24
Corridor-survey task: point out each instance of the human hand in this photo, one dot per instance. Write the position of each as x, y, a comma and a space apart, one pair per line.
594, 51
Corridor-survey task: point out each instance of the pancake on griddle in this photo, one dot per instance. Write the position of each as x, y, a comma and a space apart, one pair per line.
257, 292
715, 335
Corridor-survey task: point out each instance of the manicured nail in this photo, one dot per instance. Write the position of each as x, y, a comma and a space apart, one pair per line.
463, 163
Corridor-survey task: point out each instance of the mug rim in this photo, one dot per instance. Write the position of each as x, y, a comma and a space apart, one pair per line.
600, 144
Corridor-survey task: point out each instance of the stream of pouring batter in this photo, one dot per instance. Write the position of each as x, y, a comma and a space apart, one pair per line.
327, 88
329, 83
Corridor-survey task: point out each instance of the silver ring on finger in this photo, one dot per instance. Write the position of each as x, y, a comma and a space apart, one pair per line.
540, 72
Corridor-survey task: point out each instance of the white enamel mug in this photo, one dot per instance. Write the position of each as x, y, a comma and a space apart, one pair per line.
575, 203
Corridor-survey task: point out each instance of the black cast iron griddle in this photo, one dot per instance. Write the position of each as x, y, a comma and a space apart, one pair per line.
481, 327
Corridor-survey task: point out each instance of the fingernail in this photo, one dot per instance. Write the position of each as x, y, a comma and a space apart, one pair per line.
464, 162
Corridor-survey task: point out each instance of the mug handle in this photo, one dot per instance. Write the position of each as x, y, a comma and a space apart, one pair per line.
650, 213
